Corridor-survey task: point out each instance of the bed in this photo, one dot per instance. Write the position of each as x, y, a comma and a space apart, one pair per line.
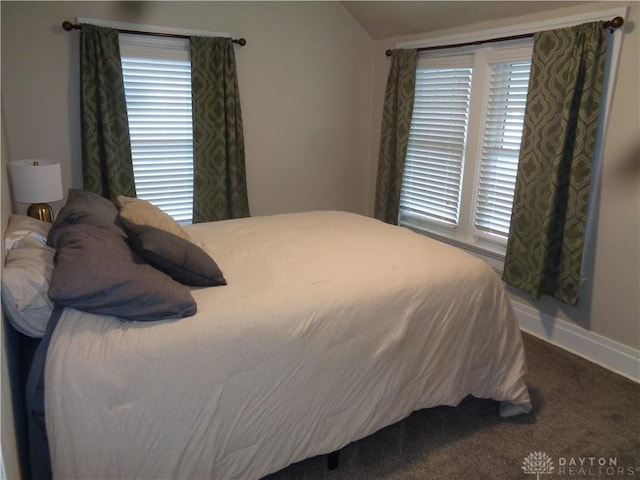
321, 328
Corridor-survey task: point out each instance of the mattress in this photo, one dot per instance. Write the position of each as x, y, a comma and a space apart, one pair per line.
331, 326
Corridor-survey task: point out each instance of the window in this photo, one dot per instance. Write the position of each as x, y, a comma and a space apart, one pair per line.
437, 139
464, 144
507, 97
157, 81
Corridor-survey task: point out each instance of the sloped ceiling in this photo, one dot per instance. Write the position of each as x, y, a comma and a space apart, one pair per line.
383, 19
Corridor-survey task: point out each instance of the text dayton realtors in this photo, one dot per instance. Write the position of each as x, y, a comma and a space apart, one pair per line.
592, 466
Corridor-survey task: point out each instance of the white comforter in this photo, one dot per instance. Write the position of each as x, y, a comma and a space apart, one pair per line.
331, 327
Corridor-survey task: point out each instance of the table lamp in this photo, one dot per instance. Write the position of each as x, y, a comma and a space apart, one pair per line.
36, 182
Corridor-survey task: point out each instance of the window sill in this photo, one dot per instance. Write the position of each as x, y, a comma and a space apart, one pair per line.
492, 255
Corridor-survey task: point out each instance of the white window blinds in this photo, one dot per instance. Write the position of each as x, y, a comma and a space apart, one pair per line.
157, 78
435, 153
507, 97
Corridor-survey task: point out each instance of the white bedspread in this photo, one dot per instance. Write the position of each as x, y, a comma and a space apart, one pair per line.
331, 327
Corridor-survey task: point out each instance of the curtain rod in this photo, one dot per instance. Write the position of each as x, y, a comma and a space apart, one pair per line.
68, 26
614, 24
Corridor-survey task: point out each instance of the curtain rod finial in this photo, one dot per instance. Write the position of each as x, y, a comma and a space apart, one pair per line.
616, 22
68, 26
388, 53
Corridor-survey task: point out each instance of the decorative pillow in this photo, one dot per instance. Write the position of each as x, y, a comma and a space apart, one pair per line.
25, 282
97, 272
141, 212
23, 231
184, 261
84, 207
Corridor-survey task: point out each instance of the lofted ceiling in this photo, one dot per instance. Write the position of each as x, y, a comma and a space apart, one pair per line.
383, 19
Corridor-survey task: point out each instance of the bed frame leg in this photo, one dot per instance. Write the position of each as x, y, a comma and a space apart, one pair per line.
333, 459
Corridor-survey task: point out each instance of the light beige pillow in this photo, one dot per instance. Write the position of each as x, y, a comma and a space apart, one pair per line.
141, 212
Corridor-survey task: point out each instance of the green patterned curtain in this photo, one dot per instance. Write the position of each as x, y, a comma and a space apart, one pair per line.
106, 147
220, 184
396, 123
546, 239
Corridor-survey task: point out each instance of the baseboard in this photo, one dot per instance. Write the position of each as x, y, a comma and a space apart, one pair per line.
612, 355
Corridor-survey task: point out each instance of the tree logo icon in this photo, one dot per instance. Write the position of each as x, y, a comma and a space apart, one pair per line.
537, 463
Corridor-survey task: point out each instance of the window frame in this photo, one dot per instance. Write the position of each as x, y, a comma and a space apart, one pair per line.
462, 59
479, 58
159, 186
485, 58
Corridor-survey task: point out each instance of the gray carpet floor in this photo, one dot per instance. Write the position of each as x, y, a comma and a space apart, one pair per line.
581, 413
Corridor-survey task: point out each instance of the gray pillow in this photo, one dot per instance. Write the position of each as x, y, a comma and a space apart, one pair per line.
95, 271
84, 207
181, 259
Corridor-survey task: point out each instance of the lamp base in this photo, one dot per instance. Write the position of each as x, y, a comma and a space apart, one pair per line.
41, 211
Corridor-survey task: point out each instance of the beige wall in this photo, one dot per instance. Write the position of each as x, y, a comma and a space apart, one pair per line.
7, 428
305, 83
610, 299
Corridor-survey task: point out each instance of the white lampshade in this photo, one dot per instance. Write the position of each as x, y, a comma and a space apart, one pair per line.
36, 181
